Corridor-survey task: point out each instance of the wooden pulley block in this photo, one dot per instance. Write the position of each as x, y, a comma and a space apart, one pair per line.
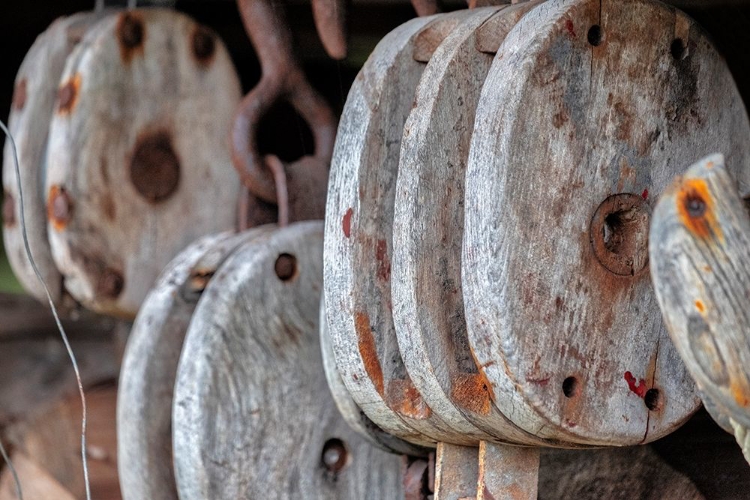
149, 368
588, 111
700, 248
138, 155
358, 243
30, 114
352, 414
253, 416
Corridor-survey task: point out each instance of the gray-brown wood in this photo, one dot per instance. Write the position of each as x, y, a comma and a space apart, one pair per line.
579, 128
456, 472
31, 111
700, 254
144, 405
358, 245
491, 34
138, 158
253, 416
507, 472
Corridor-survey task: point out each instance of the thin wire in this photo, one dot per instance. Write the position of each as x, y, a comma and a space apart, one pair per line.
54, 312
19, 493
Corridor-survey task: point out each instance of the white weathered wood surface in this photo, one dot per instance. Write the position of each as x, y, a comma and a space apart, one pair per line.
30, 114
570, 348
700, 264
428, 308
139, 101
352, 414
252, 411
358, 244
149, 369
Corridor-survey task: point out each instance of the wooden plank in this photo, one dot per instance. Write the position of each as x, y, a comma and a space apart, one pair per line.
507, 472
358, 242
699, 249
253, 416
144, 408
456, 472
137, 154
561, 315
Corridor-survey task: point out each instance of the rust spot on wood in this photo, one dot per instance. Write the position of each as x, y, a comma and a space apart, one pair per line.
154, 166
131, 34
405, 399
67, 94
59, 207
384, 263
368, 351
570, 28
346, 223
9, 210
111, 283
639, 388
559, 119
695, 209
699, 305
203, 45
739, 393
472, 392
19, 95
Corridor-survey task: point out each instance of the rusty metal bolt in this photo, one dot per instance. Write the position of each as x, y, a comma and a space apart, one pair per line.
619, 233
286, 266
334, 456
204, 44
19, 95
110, 283
59, 207
154, 167
130, 31
9, 210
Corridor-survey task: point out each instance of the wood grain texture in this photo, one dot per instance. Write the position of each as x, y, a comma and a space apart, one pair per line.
571, 347
358, 244
507, 472
428, 311
138, 155
352, 414
252, 414
147, 379
700, 249
33, 105
456, 472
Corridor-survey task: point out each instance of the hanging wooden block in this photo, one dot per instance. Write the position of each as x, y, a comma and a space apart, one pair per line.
699, 248
138, 155
579, 127
144, 404
30, 113
358, 244
253, 416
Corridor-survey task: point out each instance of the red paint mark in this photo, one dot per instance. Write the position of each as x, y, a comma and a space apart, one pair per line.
570, 424
644, 194
538, 381
384, 264
346, 223
368, 350
569, 27
640, 388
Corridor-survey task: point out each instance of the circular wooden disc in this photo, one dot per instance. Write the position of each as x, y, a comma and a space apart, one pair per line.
428, 228
138, 159
358, 246
253, 416
29, 120
149, 368
578, 129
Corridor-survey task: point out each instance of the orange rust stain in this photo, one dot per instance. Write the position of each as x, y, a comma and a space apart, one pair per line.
131, 35
699, 305
67, 94
346, 223
59, 207
739, 394
366, 344
695, 209
472, 392
405, 399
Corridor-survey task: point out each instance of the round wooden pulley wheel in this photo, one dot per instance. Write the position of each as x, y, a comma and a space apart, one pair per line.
149, 368
138, 160
358, 244
30, 114
428, 307
352, 414
579, 128
253, 416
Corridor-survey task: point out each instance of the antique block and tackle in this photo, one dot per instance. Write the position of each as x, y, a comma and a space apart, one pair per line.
491, 272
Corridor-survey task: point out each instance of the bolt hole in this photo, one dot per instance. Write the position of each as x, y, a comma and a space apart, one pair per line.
570, 387
595, 35
335, 455
619, 233
286, 266
695, 205
653, 399
678, 49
